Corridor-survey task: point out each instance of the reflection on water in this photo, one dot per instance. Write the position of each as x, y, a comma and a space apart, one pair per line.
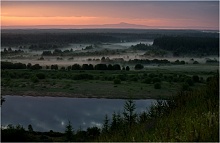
53, 113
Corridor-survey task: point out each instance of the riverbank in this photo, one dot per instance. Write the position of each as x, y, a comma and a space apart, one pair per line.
141, 84
97, 89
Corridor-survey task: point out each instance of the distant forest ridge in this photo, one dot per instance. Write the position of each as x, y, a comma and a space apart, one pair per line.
183, 45
66, 36
121, 25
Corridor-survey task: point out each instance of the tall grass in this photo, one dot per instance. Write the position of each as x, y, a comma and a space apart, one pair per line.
189, 116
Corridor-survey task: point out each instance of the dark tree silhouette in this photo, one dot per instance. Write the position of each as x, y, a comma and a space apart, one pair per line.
138, 66
106, 125
127, 68
129, 112
69, 132
76, 67
30, 128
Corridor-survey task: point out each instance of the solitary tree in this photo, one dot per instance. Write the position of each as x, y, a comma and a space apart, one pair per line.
30, 128
138, 67
129, 114
114, 122
106, 125
69, 132
127, 68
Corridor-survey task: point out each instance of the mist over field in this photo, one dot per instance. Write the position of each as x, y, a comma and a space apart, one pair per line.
134, 71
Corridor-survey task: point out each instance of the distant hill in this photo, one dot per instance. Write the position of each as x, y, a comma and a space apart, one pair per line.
121, 25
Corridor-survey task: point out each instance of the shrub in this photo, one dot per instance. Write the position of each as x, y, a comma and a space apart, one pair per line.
127, 68
189, 81
110, 67
47, 67
122, 77
138, 67
157, 85
185, 86
151, 75
175, 79
76, 67
156, 79
40, 76
62, 68
117, 81
101, 67
23, 85
195, 62
36, 67
34, 79
134, 78
116, 67
83, 77
195, 78
147, 80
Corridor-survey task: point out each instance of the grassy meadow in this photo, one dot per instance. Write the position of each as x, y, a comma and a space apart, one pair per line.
136, 84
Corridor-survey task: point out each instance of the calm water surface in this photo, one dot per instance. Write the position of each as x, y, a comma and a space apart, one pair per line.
53, 113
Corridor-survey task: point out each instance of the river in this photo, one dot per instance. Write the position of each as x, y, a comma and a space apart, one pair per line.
53, 113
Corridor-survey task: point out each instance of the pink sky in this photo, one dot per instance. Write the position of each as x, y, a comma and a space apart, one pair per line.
157, 14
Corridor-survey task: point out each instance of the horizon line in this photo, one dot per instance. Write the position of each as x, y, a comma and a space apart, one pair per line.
121, 25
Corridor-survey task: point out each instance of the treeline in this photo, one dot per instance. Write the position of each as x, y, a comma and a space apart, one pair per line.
55, 38
141, 46
10, 51
19, 134
212, 61
147, 61
66, 36
42, 46
188, 45
10, 65
138, 63
58, 52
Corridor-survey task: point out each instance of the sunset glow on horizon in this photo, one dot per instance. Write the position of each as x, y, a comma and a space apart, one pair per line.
158, 14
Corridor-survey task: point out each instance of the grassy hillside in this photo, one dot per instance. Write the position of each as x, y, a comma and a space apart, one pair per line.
190, 116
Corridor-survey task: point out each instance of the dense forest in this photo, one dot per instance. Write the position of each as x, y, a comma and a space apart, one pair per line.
61, 37
189, 45
189, 116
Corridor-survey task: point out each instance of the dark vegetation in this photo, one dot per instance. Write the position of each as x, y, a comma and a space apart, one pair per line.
212, 61
189, 116
141, 46
9, 51
10, 65
58, 52
189, 45
144, 76
53, 38
91, 80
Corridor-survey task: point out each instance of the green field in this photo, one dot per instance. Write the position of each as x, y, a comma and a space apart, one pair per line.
137, 84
